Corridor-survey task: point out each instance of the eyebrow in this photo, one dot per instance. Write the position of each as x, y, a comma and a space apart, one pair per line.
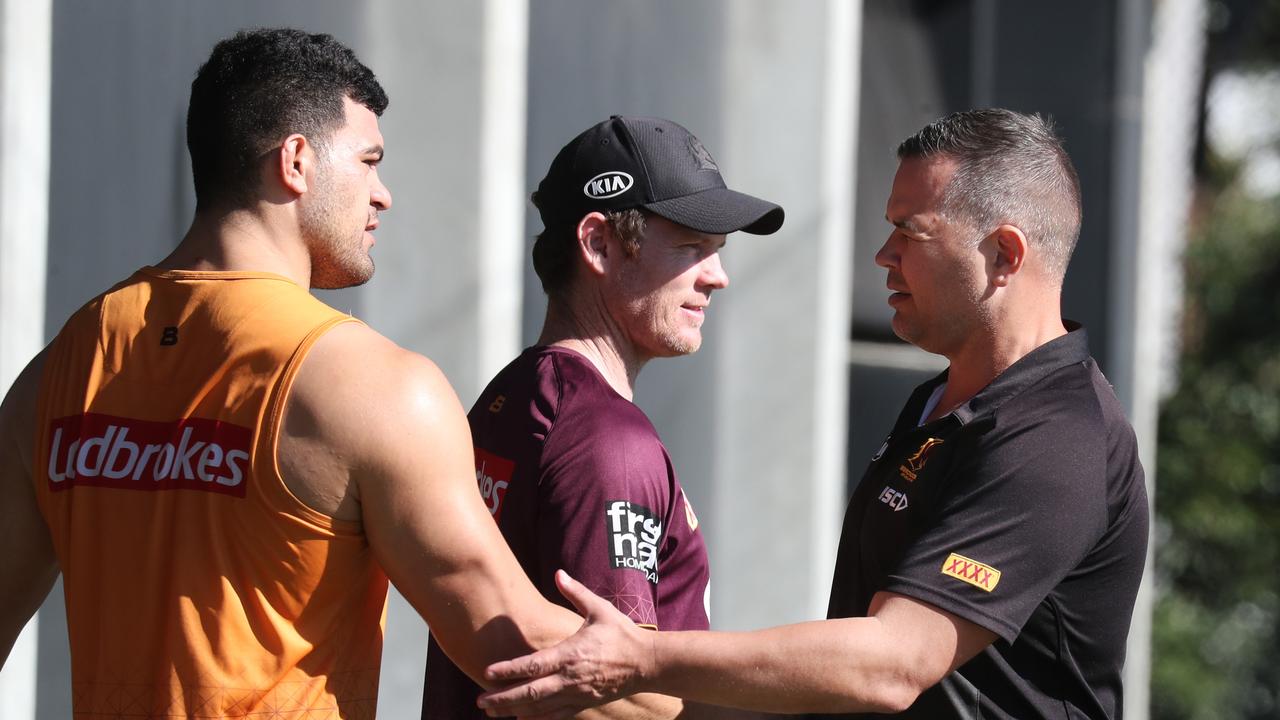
905, 224
708, 239
373, 150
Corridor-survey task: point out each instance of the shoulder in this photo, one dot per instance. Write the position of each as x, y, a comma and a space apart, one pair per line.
597, 433
591, 405
1063, 414
363, 392
18, 413
1053, 443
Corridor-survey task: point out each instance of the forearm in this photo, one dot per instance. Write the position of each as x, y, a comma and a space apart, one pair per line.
848, 665
643, 706
879, 663
482, 615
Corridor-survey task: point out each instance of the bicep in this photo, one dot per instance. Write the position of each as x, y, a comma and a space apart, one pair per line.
931, 642
429, 529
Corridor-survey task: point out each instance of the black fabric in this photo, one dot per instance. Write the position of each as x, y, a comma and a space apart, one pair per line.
633, 162
1036, 477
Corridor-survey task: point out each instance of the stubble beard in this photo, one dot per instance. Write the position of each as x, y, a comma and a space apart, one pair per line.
965, 315
675, 340
338, 257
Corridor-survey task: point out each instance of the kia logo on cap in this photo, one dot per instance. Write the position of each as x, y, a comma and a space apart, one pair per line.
607, 185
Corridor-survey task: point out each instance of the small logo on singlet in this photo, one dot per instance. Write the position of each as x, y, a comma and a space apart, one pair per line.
915, 463
169, 336
634, 533
493, 475
498, 402
983, 577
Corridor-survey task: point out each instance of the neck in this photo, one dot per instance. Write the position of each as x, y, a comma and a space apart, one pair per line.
587, 329
991, 350
242, 240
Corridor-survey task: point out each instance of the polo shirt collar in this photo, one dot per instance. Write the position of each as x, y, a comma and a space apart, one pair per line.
1033, 367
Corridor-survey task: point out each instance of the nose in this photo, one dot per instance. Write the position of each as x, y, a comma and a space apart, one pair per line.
887, 255
379, 195
713, 273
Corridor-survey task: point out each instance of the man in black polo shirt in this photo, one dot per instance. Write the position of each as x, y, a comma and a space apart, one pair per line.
991, 554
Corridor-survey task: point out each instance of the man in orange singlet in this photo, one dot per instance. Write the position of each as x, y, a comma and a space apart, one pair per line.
226, 471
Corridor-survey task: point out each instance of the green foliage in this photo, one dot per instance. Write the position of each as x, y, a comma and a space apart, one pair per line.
1217, 618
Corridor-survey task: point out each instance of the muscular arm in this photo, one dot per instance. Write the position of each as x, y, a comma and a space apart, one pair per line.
381, 439
879, 663
390, 417
28, 566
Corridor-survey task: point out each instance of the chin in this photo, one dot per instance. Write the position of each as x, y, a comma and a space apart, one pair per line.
336, 278
684, 346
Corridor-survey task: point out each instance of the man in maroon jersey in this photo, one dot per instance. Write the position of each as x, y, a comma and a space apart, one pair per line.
635, 214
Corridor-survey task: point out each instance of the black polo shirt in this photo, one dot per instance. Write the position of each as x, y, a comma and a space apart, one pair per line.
1023, 511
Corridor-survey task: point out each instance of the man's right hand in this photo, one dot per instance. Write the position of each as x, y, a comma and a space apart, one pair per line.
606, 659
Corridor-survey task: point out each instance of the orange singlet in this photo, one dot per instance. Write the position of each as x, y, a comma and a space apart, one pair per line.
196, 584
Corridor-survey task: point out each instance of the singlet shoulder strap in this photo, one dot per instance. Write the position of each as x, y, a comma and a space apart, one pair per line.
266, 465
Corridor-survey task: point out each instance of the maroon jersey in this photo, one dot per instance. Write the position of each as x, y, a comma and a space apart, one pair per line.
576, 478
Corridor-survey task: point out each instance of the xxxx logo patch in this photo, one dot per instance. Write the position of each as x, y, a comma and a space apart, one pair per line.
983, 577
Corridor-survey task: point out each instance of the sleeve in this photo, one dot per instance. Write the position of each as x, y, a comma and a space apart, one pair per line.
603, 499
1016, 514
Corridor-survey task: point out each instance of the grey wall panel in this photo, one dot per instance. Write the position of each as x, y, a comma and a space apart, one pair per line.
915, 67
780, 414
589, 60
1060, 60
429, 56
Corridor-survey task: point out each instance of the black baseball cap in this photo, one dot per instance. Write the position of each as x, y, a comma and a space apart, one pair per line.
650, 163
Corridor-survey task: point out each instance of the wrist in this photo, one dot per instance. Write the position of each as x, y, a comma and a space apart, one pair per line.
649, 669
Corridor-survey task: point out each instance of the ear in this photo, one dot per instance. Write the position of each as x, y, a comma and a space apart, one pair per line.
1010, 253
297, 160
594, 235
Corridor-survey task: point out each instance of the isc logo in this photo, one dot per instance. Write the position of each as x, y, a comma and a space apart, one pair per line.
607, 185
893, 498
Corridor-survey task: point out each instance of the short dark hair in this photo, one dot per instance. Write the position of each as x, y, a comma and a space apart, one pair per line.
554, 249
1011, 168
255, 89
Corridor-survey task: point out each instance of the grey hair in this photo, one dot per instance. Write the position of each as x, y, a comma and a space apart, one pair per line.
1011, 168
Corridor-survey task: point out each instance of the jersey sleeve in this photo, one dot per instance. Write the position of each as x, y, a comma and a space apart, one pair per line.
603, 501
1011, 520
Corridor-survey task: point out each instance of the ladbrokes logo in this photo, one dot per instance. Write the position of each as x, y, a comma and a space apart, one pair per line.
983, 577
189, 454
634, 533
493, 475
